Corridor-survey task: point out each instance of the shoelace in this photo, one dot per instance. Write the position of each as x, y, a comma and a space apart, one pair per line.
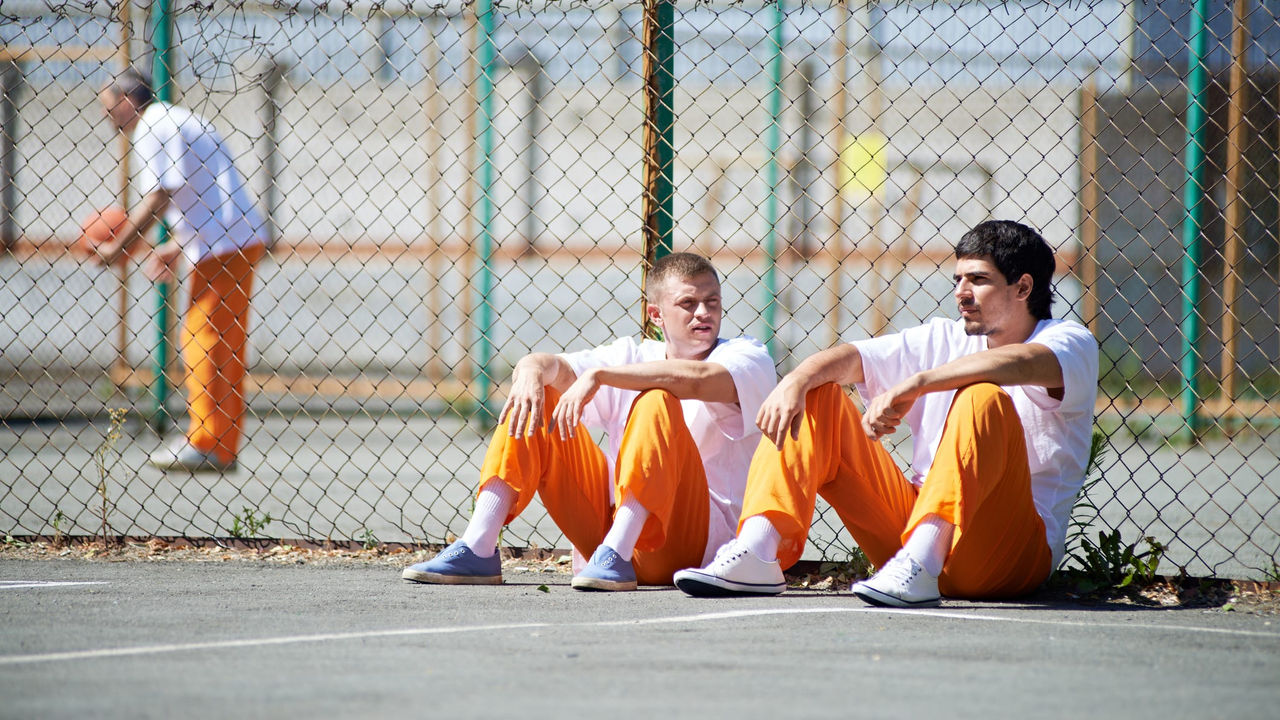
900, 571
727, 552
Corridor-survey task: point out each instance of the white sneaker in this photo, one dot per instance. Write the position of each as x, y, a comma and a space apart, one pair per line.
734, 571
902, 582
180, 455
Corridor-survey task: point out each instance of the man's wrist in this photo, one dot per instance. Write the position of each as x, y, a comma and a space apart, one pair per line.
529, 368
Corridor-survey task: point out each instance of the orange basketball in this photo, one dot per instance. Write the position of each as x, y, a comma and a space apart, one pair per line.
100, 227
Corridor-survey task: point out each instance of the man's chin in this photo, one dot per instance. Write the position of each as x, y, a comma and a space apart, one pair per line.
973, 327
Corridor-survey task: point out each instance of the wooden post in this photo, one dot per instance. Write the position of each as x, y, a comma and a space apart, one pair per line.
1235, 210
1089, 194
435, 238
124, 55
712, 206
886, 301
10, 85
468, 259
875, 203
836, 244
271, 82
534, 120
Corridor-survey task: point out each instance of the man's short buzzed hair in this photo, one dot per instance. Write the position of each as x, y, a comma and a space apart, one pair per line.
1015, 250
133, 84
681, 265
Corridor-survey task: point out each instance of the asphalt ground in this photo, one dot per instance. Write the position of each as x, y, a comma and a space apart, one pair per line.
261, 640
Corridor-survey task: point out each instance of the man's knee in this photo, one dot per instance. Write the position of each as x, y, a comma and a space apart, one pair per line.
984, 398
654, 401
983, 395
825, 393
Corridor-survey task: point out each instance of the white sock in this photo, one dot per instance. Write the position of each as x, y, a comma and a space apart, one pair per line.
492, 505
628, 521
760, 537
930, 544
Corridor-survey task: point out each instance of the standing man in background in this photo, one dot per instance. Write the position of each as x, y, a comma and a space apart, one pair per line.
187, 178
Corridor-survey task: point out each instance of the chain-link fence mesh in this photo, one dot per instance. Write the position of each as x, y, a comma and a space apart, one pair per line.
426, 232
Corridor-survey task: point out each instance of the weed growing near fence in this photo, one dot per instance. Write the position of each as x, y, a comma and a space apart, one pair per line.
105, 447
1109, 563
248, 525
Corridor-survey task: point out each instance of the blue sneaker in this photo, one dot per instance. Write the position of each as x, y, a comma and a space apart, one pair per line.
457, 565
606, 571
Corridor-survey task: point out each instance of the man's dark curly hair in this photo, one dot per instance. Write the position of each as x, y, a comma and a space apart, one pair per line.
1015, 249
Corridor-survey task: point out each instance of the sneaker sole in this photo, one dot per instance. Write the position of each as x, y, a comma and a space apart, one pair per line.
178, 467
600, 584
711, 586
439, 579
875, 597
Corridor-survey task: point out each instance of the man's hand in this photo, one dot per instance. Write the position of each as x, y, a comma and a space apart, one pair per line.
162, 263
524, 405
782, 411
568, 412
885, 411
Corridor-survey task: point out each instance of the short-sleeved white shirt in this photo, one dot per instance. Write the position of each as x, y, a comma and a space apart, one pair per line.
1058, 432
211, 213
725, 433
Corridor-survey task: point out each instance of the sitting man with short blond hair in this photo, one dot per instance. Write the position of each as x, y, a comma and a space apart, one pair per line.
679, 415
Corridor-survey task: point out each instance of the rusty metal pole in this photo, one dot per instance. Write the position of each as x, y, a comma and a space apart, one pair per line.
463, 371
1235, 210
435, 239
836, 245
1089, 195
124, 54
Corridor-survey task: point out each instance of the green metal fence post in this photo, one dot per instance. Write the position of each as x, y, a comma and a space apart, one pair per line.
486, 57
162, 77
773, 144
1192, 228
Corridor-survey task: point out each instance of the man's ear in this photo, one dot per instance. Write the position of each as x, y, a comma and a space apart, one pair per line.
1025, 284
655, 314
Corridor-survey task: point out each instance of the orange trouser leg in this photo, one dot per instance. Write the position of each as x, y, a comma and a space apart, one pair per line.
571, 476
981, 483
659, 465
833, 458
213, 345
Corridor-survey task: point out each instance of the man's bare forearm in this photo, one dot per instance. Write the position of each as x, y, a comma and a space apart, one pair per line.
686, 379
841, 365
1018, 364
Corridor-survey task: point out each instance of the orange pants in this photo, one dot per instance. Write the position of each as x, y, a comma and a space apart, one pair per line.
658, 464
213, 342
979, 481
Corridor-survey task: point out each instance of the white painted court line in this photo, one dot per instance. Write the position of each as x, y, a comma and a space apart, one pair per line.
21, 584
948, 614
670, 620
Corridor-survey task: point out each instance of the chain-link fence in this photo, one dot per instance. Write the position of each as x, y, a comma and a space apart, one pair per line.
449, 186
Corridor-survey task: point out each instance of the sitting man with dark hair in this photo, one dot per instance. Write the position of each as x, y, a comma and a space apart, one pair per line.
679, 415
1000, 407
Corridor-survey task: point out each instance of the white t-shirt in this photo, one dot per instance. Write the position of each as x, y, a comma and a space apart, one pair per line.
211, 213
725, 433
1057, 432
